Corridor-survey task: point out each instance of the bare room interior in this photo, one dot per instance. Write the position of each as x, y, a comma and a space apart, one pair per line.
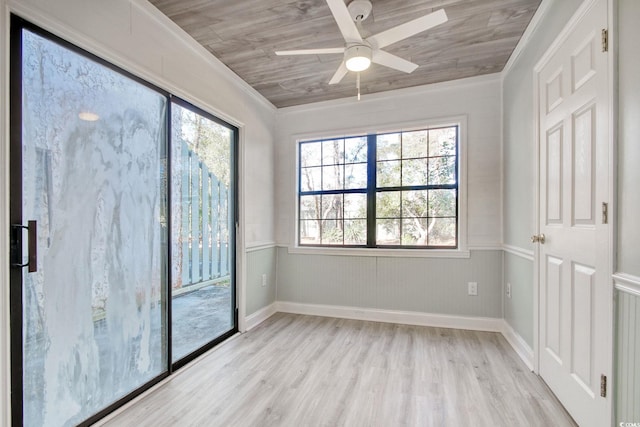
320, 212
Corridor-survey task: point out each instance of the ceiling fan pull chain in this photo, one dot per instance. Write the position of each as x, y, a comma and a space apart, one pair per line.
358, 85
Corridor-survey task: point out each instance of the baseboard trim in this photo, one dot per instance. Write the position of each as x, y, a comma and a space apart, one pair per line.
518, 344
488, 324
254, 319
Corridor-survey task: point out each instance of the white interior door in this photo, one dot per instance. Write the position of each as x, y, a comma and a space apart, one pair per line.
574, 258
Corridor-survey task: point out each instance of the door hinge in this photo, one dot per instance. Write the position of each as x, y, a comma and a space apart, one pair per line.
605, 213
605, 40
603, 385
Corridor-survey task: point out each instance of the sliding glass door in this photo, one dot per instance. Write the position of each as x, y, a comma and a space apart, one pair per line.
91, 171
202, 195
118, 225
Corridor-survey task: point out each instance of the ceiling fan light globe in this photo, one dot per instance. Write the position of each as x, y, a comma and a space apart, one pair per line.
358, 63
357, 58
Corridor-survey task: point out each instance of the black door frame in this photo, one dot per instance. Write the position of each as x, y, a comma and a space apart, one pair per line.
17, 25
232, 235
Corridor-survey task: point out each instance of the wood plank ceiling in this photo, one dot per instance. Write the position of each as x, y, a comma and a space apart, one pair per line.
478, 39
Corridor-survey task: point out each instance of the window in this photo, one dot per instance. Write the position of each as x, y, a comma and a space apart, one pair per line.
391, 190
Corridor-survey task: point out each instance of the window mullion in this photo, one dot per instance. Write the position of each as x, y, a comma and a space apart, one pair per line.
371, 190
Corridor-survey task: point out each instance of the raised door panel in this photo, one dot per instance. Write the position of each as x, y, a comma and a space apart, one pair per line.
583, 166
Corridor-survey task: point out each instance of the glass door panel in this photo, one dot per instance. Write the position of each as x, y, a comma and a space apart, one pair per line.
93, 178
202, 207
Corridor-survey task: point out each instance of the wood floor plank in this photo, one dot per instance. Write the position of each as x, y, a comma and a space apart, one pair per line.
295, 370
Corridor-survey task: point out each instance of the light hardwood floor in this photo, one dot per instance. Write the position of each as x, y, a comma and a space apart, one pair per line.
295, 370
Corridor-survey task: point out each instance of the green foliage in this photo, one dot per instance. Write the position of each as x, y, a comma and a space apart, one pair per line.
409, 217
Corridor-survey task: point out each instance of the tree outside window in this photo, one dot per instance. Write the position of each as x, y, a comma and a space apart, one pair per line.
381, 190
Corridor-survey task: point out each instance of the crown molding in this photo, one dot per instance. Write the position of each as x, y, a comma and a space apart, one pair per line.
201, 51
423, 90
526, 36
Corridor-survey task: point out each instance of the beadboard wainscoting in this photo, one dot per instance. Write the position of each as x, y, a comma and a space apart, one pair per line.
627, 348
518, 307
423, 285
412, 291
261, 277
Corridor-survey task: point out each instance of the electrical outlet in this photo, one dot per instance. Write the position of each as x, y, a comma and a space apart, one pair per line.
264, 279
508, 290
473, 288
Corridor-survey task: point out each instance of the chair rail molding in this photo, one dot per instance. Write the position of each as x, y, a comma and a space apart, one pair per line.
518, 251
627, 283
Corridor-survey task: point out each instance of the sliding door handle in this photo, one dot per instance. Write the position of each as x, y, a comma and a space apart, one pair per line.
32, 240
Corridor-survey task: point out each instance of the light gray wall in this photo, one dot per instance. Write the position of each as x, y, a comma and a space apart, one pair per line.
413, 284
628, 305
259, 262
518, 311
518, 123
518, 163
427, 285
519, 188
629, 138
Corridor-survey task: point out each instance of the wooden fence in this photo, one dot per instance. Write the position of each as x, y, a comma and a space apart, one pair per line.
205, 222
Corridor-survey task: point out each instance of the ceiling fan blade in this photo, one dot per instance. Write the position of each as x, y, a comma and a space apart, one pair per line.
310, 51
343, 19
340, 73
408, 29
388, 60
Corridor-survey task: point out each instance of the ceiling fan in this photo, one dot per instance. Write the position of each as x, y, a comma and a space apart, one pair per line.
359, 52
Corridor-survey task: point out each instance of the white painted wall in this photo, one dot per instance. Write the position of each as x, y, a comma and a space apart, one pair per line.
402, 283
477, 98
519, 158
137, 37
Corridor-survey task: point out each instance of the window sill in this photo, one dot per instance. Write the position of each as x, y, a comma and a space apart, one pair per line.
374, 252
